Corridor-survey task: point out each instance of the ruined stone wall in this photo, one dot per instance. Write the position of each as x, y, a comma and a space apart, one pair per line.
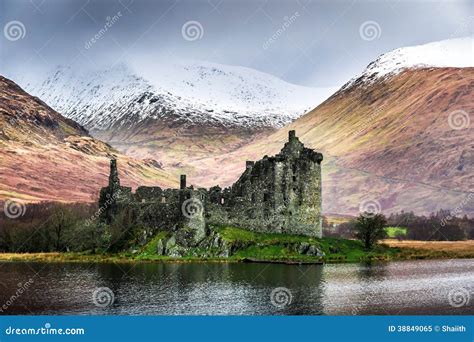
280, 194
155, 208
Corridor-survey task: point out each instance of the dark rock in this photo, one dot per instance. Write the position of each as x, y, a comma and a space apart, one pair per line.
303, 247
315, 251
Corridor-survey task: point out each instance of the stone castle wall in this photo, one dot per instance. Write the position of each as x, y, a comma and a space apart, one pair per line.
279, 194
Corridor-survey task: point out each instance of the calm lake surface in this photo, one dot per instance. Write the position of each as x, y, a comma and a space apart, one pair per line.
408, 287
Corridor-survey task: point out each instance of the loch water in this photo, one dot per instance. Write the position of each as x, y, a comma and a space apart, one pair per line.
421, 287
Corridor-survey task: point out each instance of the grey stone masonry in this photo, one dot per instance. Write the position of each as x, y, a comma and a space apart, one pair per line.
278, 194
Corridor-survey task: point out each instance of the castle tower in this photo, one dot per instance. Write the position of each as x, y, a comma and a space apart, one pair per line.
280, 194
114, 180
182, 182
298, 179
109, 195
292, 135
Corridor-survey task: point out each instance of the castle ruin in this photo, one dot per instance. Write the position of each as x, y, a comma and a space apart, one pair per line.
279, 194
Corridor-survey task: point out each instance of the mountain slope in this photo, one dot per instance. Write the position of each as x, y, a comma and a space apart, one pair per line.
177, 112
388, 138
44, 156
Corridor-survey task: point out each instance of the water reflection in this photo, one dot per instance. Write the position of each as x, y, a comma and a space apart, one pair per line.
418, 287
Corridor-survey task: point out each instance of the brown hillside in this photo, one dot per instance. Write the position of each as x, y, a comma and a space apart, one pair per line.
389, 141
44, 156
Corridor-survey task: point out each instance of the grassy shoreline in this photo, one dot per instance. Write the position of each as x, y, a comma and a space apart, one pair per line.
389, 250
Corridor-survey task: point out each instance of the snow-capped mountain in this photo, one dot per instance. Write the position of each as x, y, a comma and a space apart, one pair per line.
189, 92
455, 53
405, 143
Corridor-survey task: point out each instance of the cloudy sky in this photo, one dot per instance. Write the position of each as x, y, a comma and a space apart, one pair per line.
307, 42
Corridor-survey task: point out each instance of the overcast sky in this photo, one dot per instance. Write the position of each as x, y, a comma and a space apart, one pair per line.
307, 42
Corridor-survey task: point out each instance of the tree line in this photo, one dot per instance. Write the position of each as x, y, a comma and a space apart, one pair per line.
439, 226
57, 227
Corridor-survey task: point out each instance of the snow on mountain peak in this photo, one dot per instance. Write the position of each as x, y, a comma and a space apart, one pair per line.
236, 88
196, 92
446, 53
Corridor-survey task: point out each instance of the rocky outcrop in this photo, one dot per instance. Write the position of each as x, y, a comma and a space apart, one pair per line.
213, 245
186, 243
305, 248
